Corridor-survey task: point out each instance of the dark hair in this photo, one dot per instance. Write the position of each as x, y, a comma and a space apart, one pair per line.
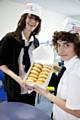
69, 37
22, 23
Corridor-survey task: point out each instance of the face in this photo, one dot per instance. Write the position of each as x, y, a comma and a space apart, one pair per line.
31, 22
65, 50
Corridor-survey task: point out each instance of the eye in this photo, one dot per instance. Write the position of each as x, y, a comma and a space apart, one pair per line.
67, 44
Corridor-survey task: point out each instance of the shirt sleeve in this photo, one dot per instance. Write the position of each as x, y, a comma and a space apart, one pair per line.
5, 51
73, 96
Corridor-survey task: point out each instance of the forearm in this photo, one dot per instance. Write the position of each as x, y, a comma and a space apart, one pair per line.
57, 100
6, 70
17, 78
61, 104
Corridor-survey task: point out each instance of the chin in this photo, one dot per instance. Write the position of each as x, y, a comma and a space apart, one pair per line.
64, 58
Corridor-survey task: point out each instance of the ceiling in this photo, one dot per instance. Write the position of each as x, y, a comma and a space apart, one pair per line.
67, 7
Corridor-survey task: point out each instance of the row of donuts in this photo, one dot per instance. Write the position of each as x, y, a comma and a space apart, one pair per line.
39, 73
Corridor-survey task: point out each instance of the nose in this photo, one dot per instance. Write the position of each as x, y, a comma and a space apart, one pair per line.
61, 50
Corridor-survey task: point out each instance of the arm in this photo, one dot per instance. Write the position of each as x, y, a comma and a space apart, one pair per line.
58, 101
17, 78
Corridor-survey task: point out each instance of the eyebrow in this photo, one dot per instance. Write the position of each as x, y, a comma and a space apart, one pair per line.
65, 42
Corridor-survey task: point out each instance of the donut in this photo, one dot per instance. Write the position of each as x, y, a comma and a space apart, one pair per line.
36, 69
45, 70
43, 76
47, 66
33, 75
38, 65
44, 73
31, 78
40, 81
34, 72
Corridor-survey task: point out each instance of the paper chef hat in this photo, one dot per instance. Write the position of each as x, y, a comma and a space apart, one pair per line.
34, 9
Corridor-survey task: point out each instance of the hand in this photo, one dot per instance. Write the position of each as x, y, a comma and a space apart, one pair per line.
57, 68
41, 91
23, 84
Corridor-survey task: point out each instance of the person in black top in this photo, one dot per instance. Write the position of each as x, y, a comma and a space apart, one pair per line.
16, 54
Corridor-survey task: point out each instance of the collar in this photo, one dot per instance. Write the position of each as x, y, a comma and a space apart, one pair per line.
27, 41
70, 62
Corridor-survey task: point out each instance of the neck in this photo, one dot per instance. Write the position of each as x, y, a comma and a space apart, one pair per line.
27, 34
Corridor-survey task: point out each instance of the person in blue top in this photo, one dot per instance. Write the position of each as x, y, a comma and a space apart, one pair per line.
67, 101
16, 54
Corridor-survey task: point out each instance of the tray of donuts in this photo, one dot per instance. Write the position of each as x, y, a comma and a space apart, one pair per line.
39, 74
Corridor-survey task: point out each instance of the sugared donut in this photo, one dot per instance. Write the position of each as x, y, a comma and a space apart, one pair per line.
34, 72
44, 73
36, 69
41, 81
43, 76
38, 65
46, 69
33, 75
31, 78
47, 66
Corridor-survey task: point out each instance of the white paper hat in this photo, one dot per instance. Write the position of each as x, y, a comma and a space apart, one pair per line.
33, 8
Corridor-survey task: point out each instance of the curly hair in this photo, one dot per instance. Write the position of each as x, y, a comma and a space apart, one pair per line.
69, 37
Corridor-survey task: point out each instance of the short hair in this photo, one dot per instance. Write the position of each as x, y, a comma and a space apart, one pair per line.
69, 37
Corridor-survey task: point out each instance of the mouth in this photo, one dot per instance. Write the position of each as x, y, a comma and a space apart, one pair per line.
31, 25
63, 55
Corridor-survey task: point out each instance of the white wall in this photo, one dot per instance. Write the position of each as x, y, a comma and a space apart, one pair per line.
77, 17
10, 14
